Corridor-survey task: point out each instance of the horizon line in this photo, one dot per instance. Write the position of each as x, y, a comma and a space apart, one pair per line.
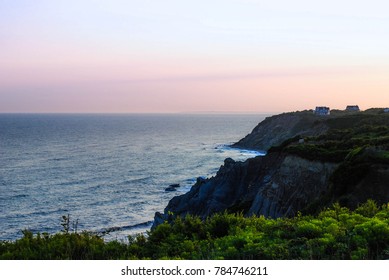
145, 113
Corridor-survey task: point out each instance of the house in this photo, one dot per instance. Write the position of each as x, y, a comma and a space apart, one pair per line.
352, 108
322, 111
386, 110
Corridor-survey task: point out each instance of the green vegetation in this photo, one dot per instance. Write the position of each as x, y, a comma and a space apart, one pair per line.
347, 134
335, 233
338, 145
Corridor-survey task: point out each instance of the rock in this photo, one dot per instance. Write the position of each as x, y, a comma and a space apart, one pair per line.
201, 180
228, 162
172, 188
159, 218
274, 130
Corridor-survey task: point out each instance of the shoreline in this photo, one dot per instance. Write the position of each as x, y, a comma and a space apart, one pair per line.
149, 224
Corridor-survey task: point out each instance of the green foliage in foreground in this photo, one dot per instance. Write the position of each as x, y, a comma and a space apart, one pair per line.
335, 233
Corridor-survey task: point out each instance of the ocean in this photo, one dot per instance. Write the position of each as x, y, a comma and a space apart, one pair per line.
108, 172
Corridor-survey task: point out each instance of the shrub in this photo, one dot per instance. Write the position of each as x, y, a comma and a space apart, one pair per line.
335, 233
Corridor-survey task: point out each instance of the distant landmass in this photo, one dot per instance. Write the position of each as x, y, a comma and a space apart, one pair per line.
312, 161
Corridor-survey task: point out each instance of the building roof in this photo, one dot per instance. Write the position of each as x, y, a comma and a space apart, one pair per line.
352, 107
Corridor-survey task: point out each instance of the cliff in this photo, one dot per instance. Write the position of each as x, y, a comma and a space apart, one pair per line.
314, 162
274, 185
276, 129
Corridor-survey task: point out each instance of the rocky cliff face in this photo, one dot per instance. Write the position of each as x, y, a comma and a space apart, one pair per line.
276, 129
275, 185
290, 186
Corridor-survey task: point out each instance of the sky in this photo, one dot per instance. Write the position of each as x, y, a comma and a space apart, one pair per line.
173, 56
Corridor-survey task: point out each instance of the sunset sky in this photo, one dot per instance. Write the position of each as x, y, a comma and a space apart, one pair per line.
124, 56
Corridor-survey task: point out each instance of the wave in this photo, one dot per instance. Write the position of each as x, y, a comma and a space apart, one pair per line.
136, 180
59, 159
13, 197
47, 212
145, 225
19, 196
72, 183
245, 152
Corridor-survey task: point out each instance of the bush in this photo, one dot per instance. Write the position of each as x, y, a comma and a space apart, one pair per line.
335, 233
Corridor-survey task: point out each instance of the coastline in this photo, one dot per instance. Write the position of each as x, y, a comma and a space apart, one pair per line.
303, 170
143, 227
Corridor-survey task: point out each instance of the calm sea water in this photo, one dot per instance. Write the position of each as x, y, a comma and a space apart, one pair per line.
107, 171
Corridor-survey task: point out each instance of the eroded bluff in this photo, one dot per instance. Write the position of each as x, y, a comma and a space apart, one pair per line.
276, 129
274, 185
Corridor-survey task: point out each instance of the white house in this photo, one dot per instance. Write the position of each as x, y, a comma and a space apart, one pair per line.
322, 111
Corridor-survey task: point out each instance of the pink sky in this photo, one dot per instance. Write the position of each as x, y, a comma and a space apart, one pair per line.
69, 56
